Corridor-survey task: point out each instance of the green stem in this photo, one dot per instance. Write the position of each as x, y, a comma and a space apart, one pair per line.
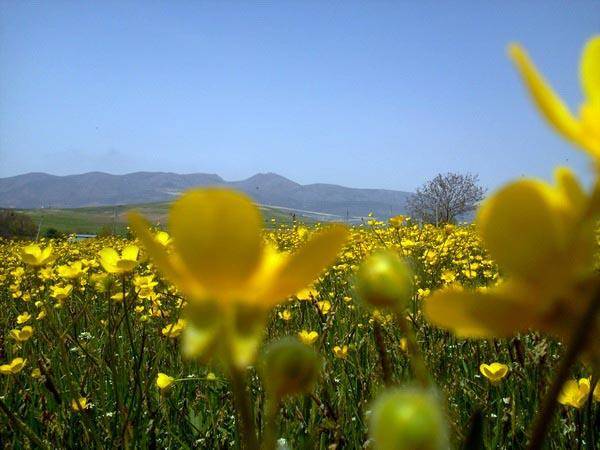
23, 428
415, 357
386, 368
245, 422
579, 338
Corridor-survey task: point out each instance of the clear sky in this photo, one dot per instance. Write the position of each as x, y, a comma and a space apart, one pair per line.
363, 94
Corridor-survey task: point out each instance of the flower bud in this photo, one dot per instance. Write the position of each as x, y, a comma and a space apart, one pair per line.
384, 280
408, 419
290, 368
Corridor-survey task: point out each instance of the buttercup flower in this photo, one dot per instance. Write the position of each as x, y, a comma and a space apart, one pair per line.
340, 352
575, 393
80, 404
540, 235
494, 372
583, 131
35, 256
230, 276
14, 367
71, 271
23, 334
164, 381
113, 263
308, 337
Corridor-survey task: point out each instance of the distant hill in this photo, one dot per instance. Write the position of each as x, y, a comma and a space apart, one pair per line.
41, 190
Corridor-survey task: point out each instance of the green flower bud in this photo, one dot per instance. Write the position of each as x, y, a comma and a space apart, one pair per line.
290, 368
384, 280
408, 419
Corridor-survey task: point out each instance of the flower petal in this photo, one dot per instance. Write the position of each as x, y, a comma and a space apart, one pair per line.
478, 314
590, 70
549, 104
157, 252
306, 264
521, 228
217, 233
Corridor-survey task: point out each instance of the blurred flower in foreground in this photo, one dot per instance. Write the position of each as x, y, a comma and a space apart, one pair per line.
384, 280
408, 419
584, 131
230, 276
113, 263
494, 372
575, 393
543, 238
34, 256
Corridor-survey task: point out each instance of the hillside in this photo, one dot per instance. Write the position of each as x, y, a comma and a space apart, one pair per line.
41, 190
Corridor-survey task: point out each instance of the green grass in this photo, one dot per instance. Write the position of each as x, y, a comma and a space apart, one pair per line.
95, 220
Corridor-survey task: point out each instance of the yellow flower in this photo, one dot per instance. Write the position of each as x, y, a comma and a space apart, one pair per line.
175, 329
162, 237
539, 234
583, 131
494, 372
23, 334
41, 315
285, 314
22, 318
36, 373
61, 292
14, 367
35, 256
448, 276
164, 381
307, 293
324, 306
308, 337
340, 352
231, 277
404, 344
71, 271
113, 263
575, 393
80, 404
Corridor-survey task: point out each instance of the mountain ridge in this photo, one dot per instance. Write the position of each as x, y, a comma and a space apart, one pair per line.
43, 190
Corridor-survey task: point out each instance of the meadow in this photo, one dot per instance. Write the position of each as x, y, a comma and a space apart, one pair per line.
95, 346
221, 333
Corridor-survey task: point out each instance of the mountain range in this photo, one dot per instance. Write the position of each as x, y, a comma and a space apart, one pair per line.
42, 190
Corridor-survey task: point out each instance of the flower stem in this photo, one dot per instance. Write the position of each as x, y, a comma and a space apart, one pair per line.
245, 421
23, 428
576, 345
383, 356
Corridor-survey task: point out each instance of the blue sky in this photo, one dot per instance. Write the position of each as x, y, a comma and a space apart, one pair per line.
364, 94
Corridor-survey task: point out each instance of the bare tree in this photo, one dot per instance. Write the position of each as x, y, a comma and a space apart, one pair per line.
446, 197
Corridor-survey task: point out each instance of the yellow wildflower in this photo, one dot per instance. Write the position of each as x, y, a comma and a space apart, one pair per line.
583, 131
308, 337
575, 393
80, 404
22, 318
539, 234
35, 256
494, 372
23, 334
340, 352
61, 292
113, 263
164, 381
71, 271
14, 367
230, 276
173, 330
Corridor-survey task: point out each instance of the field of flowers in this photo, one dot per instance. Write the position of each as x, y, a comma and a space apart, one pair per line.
223, 334
92, 358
